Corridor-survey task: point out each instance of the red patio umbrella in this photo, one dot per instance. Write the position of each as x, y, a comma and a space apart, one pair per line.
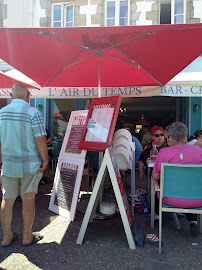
101, 56
7, 82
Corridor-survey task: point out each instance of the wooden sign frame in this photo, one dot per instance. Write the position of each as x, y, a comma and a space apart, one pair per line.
68, 185
109, 162
72, 137
101, 121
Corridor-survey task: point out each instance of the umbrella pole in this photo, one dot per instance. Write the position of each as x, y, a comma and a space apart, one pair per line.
99, 76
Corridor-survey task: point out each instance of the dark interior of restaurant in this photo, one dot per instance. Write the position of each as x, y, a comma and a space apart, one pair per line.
148, 111
135, 113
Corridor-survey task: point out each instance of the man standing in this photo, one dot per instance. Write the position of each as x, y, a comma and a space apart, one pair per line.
24, 157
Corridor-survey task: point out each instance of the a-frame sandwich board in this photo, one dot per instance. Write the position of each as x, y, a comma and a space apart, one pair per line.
109, 163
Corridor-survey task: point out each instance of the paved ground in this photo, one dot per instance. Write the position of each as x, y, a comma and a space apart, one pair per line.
104, 247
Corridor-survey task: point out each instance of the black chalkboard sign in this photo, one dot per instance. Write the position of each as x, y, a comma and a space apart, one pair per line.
66, 187
66, 184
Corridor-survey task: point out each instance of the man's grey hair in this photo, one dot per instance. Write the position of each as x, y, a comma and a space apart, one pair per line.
177, 132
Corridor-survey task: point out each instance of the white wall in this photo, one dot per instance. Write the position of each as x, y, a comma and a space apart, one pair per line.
23, 13
143, 7
197, 4
17, 13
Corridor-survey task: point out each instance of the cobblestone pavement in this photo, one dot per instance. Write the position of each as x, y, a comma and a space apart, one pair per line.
105, 245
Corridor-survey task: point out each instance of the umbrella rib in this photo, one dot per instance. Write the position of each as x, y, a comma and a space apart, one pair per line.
149, 75
114, 46
138, 66
125, 42
67, 65
131, 60
74, 44
97, 54
81, 52
121, 60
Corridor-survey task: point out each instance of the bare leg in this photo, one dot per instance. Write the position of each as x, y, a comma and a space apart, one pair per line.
6, 218
28, 213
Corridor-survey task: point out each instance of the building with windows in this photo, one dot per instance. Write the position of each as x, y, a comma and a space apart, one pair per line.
77, 13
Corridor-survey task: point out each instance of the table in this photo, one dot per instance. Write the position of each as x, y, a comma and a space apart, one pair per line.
151, 190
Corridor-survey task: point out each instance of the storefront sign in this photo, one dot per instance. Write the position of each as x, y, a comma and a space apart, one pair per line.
173, 89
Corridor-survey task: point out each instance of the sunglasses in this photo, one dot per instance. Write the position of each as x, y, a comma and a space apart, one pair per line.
158, 135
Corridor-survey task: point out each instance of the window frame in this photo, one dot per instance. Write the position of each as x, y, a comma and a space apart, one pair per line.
63, 14
173, 15
117, 11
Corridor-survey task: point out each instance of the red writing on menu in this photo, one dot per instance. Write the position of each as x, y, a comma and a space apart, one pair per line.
79, 120
70, 166
102, 106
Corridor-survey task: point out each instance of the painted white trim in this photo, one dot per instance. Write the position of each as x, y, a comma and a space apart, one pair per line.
117, 13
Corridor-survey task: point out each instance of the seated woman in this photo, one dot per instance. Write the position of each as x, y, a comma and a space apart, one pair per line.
196, 139
179, 152
158, 140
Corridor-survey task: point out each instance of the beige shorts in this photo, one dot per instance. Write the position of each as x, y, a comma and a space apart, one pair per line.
13, 187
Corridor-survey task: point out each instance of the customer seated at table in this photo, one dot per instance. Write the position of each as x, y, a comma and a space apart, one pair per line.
146, 138
179, 152
196, 139
158, 140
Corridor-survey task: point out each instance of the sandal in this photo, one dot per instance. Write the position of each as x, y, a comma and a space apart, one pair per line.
36, 237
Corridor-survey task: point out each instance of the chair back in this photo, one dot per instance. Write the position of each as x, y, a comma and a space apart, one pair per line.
122, 158
123, 142
124, 133
181, 180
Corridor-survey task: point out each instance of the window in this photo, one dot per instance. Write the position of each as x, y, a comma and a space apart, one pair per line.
172, 11
179, 11
63, 15
116, 13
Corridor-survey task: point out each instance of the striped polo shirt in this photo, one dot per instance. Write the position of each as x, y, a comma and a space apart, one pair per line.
19, 125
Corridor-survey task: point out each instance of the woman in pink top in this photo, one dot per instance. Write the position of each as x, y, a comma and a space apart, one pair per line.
179, 152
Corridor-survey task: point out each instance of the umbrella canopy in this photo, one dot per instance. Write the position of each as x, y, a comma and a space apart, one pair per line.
101, 56
7, 81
